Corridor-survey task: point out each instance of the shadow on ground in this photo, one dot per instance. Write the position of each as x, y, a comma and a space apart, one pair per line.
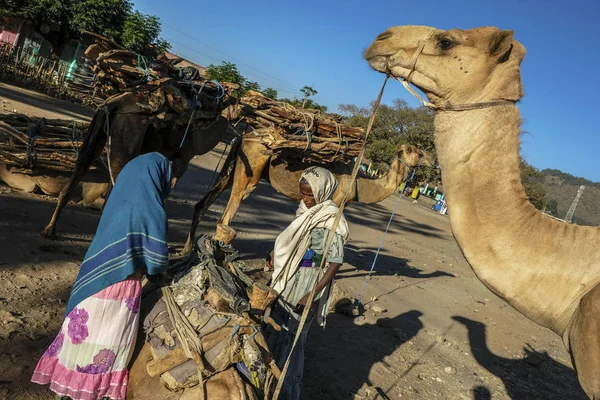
536, 376
366, 345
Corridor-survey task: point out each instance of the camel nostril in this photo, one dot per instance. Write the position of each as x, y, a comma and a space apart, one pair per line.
384, 35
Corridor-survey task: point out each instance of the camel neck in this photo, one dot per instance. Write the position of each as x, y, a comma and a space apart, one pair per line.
374, 190
478, 152
519, 254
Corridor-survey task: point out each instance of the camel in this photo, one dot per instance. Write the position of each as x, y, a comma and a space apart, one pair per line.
247, 164
125, 122
546, 269
93, 186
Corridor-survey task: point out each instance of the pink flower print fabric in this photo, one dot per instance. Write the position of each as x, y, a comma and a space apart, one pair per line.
133, 304
102, 363
77, 329
56, 346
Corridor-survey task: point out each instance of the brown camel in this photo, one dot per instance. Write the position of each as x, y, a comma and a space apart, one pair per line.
250, 165
132, 133
546, 269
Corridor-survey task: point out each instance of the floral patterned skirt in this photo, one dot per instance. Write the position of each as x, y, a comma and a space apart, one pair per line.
88, 358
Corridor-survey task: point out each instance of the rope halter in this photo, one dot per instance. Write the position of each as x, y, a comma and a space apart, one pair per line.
456, 107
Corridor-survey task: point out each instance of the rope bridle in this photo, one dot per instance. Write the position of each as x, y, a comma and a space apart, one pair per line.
452, 107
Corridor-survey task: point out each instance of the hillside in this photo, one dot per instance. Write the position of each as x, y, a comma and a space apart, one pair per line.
563, 187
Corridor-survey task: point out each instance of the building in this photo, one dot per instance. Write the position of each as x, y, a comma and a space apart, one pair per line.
182, 63
17, 33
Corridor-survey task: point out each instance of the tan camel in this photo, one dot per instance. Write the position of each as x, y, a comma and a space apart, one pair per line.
92, 186
132, 134
546, 269
250, 165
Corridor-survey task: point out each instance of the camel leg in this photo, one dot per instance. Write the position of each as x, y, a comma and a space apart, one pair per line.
127, 134
91, 149
202, 207
584, 342
250, 166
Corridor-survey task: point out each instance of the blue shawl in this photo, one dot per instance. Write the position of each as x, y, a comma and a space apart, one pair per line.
132, 233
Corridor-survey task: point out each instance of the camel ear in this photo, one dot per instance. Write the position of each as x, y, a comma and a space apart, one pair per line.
405, 148
500, 42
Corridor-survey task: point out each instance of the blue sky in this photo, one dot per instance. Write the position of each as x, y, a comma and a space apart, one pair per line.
286, 45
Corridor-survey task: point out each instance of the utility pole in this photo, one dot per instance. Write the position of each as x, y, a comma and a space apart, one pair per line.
571, 211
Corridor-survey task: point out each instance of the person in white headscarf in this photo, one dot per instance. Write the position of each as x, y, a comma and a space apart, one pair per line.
296, 262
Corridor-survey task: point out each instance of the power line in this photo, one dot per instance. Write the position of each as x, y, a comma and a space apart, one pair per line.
219, 60
199, 52
231, 57
180, 54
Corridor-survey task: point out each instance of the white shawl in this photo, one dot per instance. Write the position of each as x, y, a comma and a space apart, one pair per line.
294, 241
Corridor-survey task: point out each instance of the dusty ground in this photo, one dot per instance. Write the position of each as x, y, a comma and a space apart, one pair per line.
438, 332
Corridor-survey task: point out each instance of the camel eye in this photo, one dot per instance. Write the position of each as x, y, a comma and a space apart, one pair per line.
445, 44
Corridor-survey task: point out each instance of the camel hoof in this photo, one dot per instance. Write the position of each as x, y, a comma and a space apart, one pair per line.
49, 232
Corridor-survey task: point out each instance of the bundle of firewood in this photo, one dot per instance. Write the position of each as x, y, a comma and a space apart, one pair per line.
299, 133
170, 93
31, 142
214, 303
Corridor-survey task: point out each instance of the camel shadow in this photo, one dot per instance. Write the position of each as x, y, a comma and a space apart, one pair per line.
362, 258
334, 374
536, 376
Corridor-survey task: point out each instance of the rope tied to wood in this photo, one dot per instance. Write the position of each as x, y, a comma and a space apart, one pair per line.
190, 342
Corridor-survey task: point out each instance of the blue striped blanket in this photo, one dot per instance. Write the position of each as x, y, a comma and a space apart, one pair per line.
132, 233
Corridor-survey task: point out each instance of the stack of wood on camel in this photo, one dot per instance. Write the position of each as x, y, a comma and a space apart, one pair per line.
202, 332
546, 269
302, 134
39, 153
155, 107
32, 142
281, 141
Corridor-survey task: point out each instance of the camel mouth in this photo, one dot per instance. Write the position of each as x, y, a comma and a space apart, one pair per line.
395, 66
380, 64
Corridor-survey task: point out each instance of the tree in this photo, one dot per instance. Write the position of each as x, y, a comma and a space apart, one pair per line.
141, 34
552, 207
250, 85
533, 182
394, 125
59, 21
308, 104
228, 72
106, 17
308, 91
270, 93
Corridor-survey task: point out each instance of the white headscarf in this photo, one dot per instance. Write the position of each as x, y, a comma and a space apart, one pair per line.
294, 241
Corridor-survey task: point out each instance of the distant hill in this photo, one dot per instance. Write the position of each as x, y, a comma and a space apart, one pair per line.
563, 187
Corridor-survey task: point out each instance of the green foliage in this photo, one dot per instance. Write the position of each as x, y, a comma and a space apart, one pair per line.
552, 207
308, 92
106, 17
228, 72
141, 34
270, 93
112, 18
395, 125
570, 179
533, 182
309, 103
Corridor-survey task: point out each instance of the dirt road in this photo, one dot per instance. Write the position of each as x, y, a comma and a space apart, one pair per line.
430, 330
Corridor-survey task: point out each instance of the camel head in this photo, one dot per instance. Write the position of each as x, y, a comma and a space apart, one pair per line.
415, 157
452, 67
